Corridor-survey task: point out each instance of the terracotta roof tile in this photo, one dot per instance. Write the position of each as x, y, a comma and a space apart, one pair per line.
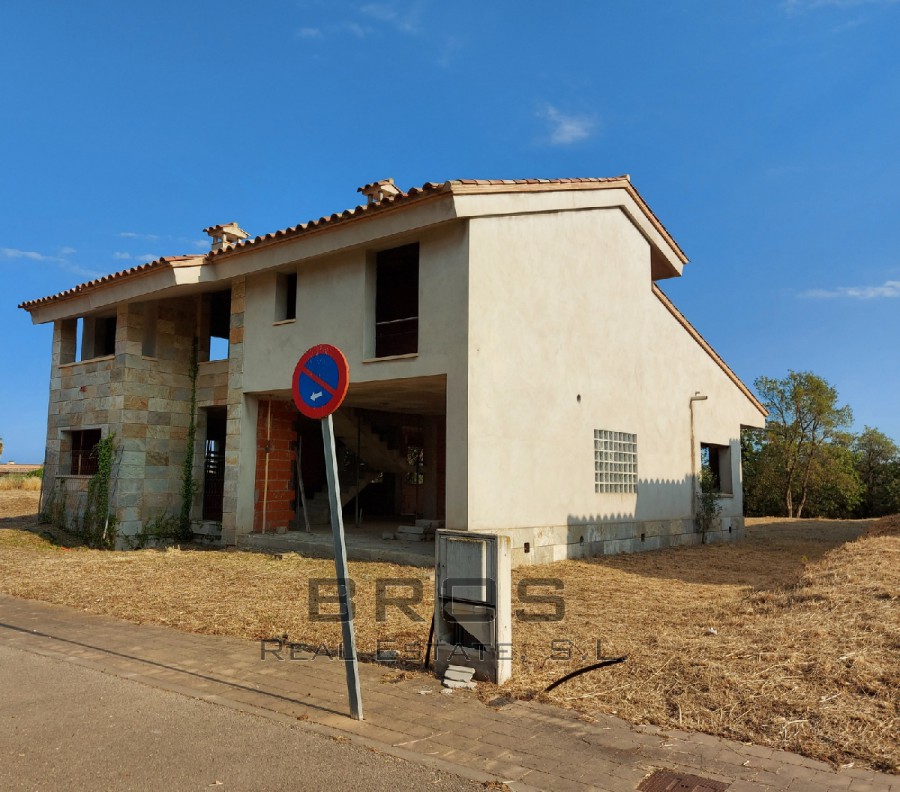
417, 193
414, 194
378, 183
140, 269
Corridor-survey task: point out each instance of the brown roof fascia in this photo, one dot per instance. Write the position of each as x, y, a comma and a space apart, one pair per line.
704, 344
116, 277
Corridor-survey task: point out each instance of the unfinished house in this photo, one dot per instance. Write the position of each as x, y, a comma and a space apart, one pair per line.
515, 368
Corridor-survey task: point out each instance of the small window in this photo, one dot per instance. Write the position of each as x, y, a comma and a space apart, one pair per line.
615, 461
84, 452
87, 338
218, 313
397, 301
286, 297
102, 337
715, 466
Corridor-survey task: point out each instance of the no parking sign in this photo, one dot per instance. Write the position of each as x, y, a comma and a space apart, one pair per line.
320, 382
319, 385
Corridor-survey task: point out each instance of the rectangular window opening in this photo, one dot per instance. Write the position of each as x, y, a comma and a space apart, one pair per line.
214, 463
84, 452
397, 301
286, 296
218, 315
86, 338
615, 461
715, 468
98, 336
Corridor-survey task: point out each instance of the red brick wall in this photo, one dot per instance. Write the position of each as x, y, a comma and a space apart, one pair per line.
279, 427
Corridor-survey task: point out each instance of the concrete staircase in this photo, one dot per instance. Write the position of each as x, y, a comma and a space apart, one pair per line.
317, 506
374, 451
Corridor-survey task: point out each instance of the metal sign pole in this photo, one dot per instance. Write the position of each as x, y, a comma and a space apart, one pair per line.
340, 564
319, 385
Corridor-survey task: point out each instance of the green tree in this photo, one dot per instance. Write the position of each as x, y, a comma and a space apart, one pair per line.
761, 463
835, 490
877, 463
804, 418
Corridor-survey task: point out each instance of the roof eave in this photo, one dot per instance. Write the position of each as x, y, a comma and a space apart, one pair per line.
142, 283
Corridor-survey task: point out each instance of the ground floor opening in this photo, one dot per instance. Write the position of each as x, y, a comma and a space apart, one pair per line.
391, 452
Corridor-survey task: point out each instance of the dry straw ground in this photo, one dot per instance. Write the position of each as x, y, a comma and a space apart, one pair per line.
805, 613
28, 483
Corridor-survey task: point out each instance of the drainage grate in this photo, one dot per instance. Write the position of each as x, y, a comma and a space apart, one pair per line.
667, 781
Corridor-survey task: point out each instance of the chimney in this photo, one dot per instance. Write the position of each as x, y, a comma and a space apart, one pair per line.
225, 234
378, 191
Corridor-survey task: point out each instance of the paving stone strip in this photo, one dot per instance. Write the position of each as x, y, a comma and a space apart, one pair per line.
527, 745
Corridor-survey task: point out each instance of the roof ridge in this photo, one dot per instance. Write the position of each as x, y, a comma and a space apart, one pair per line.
414, 194
565, 180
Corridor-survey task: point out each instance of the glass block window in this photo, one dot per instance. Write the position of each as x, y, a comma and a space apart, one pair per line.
615, 461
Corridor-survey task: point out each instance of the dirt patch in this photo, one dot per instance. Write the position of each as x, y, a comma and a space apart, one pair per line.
789, 638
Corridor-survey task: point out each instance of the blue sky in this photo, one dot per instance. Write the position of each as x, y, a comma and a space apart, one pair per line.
765, 135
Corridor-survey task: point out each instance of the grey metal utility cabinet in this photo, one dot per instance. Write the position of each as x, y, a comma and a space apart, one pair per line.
473, 604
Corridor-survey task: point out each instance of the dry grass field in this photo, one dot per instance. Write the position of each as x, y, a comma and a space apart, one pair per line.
802, 653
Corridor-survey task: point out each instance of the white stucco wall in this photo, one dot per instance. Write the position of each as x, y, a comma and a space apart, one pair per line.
335, 304
561, 305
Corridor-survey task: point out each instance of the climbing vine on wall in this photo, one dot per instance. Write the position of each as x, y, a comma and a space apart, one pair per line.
184, 533
98, 526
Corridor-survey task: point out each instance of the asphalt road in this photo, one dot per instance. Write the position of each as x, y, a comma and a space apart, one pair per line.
67, 727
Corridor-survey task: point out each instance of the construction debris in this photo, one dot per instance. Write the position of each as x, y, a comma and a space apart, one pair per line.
422, 531
459, 677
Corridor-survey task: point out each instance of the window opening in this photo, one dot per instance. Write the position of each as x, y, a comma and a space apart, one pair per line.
85, 338
219, 324
397, 301
286, 296
214, 464
84, 452
98, 336
715, 466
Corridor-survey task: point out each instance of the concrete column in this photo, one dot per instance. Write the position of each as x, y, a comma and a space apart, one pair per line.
429, 499
458, 439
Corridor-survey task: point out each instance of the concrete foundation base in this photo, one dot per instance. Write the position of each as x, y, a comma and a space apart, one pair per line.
557, 543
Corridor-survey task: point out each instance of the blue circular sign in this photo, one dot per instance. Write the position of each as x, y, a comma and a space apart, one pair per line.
320, 382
